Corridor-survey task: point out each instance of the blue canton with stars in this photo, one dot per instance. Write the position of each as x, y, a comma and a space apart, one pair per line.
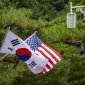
34, 42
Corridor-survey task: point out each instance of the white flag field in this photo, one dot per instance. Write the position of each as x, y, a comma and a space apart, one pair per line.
35, 63
7, 46
35, 46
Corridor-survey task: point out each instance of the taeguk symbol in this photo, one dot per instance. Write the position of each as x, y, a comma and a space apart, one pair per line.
23, 53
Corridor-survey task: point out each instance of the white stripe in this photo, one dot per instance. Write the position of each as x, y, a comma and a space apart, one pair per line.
40, 54
43, 72
51, 52
44, 58
50, 64
46, 69
47, 54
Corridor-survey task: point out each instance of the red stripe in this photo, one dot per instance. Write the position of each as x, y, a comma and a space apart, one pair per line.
57, 53
50, 53
48, 66
46, 57
54, 51
43, 72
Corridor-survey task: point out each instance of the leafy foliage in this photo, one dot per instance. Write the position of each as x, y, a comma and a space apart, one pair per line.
48, 17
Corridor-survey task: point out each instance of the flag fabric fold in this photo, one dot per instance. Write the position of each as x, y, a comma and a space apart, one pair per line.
35, 63
43, 50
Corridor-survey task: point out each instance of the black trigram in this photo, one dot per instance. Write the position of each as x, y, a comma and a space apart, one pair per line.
15, 42
32, 64
11, 49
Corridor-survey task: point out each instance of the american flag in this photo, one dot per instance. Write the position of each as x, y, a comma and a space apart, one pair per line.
46, 52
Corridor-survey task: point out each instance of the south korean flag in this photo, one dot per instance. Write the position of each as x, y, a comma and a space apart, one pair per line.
35, 63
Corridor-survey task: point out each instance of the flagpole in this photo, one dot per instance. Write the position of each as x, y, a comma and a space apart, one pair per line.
4, 56
31, 35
